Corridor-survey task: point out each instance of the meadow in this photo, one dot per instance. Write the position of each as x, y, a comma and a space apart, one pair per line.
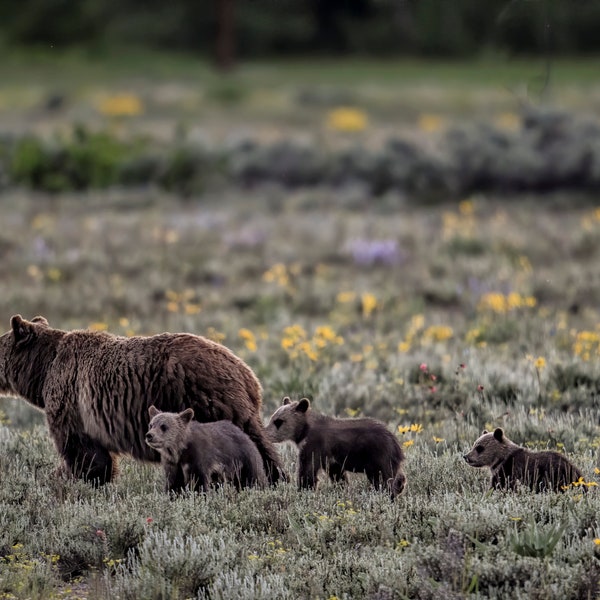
438, 319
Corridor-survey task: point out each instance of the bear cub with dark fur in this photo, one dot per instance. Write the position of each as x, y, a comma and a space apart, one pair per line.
338, 446
206, 453
512, 464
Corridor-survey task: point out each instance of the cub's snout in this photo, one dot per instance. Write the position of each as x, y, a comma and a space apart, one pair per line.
152, 441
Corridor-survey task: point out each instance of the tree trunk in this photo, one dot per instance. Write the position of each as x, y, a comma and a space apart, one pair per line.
225, 47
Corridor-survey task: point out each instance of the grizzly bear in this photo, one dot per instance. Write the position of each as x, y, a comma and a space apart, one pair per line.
512, 464
338, 446
206, 453
95, 389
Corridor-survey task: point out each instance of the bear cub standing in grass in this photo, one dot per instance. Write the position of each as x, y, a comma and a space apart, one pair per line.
206, 453
511, 463
338, 446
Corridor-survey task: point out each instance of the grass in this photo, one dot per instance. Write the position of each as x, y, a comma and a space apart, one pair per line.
117, 64
279, 277
271, 99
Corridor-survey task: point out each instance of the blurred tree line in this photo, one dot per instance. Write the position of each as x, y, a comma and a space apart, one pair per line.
265, 28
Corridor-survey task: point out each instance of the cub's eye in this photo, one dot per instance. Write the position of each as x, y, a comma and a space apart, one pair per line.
163, 428
479, 449
278, 423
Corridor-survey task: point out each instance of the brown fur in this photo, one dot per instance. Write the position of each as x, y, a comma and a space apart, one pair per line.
511, 464
338, 446
206, 453
95, 389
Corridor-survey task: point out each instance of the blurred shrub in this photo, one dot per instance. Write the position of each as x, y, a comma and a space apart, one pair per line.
551, 150
88, 160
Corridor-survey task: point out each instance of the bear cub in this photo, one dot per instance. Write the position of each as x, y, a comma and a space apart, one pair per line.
511, 463
204, 453
338, 446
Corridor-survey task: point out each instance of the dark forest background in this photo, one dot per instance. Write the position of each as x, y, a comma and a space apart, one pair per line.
267, 28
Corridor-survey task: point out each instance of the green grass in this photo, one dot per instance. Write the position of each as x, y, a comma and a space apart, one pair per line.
242, 267
276, 98
112, 65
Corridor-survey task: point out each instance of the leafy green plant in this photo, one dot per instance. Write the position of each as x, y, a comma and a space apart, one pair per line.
536, 540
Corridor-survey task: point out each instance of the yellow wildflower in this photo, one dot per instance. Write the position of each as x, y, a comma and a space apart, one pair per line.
466, 207
431, 123
121, 105
278, 274
403, 347
249, 339
54, 274
192, 308
369, 304
508, 120
215, 336
347, 119
346, 297
438, 333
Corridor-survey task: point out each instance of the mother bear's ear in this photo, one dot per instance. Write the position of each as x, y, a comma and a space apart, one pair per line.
40, 321
22, 329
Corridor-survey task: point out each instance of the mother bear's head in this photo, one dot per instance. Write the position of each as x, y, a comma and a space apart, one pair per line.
20, 356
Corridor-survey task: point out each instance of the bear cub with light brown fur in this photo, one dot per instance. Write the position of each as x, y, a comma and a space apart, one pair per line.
512, 464
338, 446
204, 453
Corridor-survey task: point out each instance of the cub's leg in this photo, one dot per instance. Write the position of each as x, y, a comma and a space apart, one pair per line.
309, 464
377, 477
174, 476
336, 472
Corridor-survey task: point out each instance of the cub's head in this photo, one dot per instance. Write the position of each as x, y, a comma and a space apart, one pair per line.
16, 354
167, 431
489, 449
288, 422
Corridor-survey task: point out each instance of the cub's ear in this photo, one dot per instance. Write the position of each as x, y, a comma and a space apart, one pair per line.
303, 405
153, 411
498, 434
484, 432
40, 321
187, 415
286, 400
22, 329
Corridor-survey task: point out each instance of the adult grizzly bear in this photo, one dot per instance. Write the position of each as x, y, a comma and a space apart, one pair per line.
339, 446
207, 453
95, 389
512, 464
